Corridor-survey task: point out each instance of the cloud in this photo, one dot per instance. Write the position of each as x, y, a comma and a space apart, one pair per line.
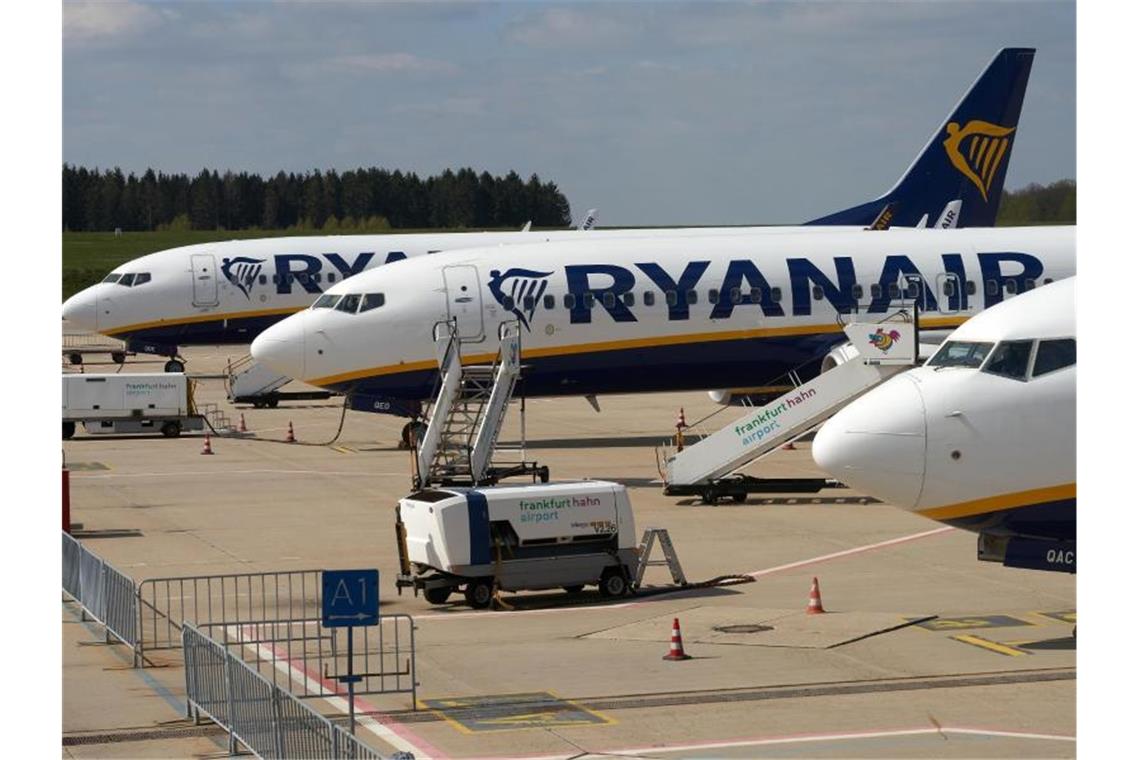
86, 20
391, 63
567, 27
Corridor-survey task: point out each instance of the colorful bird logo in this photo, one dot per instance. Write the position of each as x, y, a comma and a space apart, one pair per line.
884, 340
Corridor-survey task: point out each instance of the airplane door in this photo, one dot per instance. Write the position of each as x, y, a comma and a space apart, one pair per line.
464, 300
205, 276
947, 291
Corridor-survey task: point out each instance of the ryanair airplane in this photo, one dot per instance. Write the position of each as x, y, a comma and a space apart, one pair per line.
983, 437
228, 292
622, 316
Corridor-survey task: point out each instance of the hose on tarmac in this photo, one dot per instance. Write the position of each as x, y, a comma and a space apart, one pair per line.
329, 442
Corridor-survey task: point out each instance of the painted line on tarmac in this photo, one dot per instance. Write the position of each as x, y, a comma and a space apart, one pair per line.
395, 735
220, 473
806, 739
756, 574
850, 552
993, 646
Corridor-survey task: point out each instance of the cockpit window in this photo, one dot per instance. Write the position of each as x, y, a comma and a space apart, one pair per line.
113, 277
1010, 359
327, 301
1054, 355
960, 353
141, 278
349, 303
371, 301
127, 280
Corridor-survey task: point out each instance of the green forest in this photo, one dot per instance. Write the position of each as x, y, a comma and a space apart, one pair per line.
361, 200
1055, 203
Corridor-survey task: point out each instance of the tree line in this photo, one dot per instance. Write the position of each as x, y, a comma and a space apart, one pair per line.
1055, 203
363, 200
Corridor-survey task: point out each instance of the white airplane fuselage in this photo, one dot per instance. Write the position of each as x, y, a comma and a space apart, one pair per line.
228, 292
985, 442
611, 316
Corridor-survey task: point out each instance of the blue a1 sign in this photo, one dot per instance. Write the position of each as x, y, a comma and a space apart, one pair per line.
350, 598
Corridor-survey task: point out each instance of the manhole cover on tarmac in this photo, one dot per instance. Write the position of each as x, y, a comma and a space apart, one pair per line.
742, 628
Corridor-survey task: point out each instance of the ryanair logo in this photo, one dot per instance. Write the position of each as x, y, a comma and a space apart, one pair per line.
519, 291
242, 272
977, 150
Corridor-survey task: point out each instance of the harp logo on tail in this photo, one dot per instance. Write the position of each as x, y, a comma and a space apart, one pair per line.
977, 150
242, 272
519, 291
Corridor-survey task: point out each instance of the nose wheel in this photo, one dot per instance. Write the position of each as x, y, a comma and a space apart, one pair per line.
174, 365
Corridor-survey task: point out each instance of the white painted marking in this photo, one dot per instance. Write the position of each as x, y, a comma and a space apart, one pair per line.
805, 738
849, 552
507, 614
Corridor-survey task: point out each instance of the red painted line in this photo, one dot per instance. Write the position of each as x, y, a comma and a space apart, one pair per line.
423, 747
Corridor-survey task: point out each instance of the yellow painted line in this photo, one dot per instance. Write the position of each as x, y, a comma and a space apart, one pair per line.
1004, 501
993, 646
211, 317
343, 450
617, 345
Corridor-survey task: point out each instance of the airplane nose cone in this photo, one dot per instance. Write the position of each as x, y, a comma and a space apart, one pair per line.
877, 443
79, 310
282, 346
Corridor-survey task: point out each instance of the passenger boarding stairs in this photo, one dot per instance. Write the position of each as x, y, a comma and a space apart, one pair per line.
468, 412
248, 381
883, 349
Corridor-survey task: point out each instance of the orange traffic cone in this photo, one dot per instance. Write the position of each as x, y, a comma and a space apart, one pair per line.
241, 424
290, 438
206, 445
789, 446
815, 602
676, 647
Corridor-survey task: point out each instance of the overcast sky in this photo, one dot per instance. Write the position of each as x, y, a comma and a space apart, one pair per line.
657, 113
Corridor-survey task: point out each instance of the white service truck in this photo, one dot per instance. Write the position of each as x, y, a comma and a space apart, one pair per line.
557, 535
129, 403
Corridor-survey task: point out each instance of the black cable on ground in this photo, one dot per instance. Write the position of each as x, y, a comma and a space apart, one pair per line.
331, 441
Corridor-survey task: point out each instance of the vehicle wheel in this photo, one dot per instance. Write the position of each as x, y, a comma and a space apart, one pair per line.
174, 365
68, 430
739, 498
172, 429
75, 358
258, 404
415, 429
544, 476
613, 582
272, 403
118, 357
574, 589
437, 595
479, 593
710, 496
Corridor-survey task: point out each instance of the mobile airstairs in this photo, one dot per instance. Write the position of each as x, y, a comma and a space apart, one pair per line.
249, 382
706, 468
465, 419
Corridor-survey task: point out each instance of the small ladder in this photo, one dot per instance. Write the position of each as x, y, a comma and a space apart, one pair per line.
661, 536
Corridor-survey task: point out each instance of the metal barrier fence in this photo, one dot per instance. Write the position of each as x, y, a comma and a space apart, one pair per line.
268, 720
274, 618
267, 619
103, 592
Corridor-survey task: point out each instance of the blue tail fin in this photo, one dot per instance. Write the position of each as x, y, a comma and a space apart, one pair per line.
966, 159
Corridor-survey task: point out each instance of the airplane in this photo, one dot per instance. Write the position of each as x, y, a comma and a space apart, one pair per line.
982, 437
228, 292
643, 315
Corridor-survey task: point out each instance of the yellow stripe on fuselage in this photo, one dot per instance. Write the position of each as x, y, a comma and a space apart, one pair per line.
617, 345
211, 317
1004, 501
